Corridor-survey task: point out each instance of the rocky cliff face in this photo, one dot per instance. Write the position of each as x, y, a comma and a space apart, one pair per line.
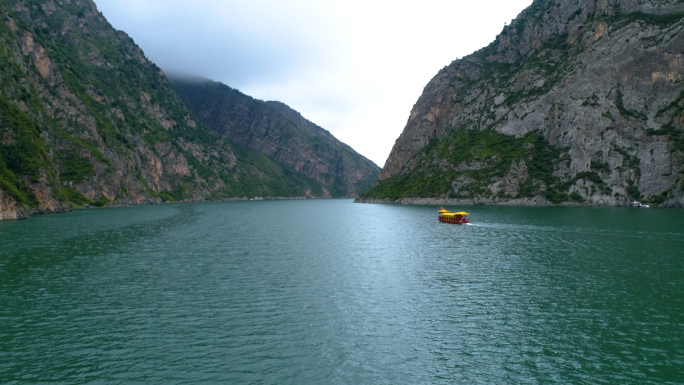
87, 119
281, 133
577, 101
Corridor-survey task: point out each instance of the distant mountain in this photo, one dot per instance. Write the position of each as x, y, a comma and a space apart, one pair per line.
87, 119
575, 102
279, 132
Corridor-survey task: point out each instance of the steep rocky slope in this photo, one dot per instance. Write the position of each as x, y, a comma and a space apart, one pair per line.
576, 101
87, 119
279, 132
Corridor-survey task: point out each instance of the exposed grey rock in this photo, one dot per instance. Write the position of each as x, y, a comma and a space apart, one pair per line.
600, 80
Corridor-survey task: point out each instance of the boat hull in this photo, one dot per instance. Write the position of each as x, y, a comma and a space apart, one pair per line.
456, 221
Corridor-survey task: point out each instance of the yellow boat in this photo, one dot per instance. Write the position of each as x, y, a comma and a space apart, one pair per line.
458, 218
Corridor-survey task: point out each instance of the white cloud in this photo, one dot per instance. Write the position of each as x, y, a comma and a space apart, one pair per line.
353, 67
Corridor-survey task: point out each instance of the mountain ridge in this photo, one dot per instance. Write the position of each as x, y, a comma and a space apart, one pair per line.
280, 132
87, 120
575, 102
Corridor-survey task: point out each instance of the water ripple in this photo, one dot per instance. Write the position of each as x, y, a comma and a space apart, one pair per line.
335, 292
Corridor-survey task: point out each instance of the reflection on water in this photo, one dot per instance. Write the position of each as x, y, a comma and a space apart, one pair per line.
334, 292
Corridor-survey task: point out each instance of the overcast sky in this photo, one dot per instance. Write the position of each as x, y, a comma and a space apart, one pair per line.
353, 67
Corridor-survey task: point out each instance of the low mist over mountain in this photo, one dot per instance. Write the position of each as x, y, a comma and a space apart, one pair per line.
575, 102
87, 119
279, 132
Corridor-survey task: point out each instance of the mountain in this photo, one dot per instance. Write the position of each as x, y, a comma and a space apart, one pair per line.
279, 132
87, 119
575, 102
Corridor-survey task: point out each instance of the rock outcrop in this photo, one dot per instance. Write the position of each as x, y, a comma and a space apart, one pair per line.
575, 102
279, 132
87, 119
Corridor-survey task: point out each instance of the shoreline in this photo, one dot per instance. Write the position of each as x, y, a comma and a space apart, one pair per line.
19, 213
536, 201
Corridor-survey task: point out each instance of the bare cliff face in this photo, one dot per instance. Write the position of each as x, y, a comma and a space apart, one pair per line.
87, 119
281, 133
577, 101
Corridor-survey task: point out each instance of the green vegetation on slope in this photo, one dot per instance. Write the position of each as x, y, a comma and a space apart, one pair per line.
280, 178
100, 112
477, 158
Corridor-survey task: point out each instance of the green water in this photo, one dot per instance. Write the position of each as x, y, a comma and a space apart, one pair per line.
332, 292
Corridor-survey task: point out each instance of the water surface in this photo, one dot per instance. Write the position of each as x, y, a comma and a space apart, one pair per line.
328, 291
